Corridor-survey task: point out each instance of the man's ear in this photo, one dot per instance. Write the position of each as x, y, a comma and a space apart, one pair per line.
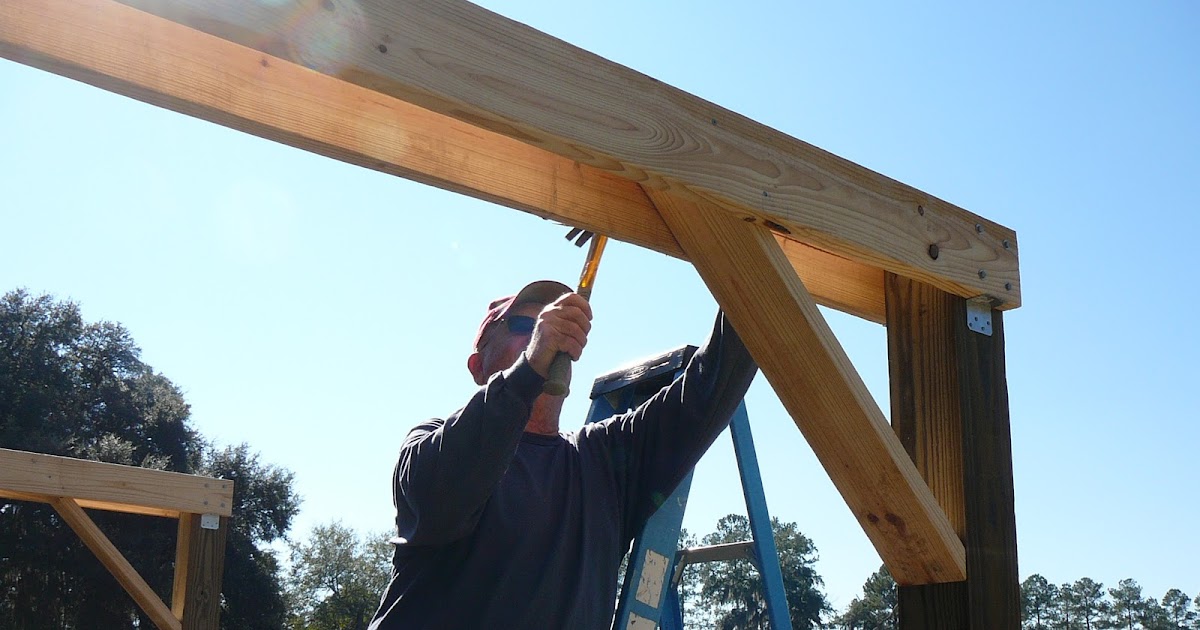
475, 367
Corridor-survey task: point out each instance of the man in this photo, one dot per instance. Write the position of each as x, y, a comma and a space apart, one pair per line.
506, 523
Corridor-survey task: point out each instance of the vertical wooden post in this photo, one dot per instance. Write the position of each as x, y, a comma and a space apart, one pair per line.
993, 582
949, 408
926, 416
199, 564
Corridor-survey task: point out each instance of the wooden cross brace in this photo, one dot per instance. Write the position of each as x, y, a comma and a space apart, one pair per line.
69, 485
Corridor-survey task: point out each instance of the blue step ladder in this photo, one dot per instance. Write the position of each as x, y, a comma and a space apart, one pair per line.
650, 593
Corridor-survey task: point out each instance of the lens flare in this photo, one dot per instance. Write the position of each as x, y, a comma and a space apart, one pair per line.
324, 35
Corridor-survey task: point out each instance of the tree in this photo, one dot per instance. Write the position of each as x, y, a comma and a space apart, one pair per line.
76, 389
1037, 598
876, 609
1127, 604
1154, 617
1091, 608
734, 590
797, 560
1177, 607
336, 578
1065, 607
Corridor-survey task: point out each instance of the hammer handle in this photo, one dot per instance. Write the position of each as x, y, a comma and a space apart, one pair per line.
558, 383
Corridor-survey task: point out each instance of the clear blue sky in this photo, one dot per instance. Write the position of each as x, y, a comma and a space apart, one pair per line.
317, 310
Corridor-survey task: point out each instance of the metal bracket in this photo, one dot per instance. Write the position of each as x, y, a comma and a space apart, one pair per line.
210, 521
979, 315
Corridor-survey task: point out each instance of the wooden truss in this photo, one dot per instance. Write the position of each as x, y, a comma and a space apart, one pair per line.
201, 504
449, 94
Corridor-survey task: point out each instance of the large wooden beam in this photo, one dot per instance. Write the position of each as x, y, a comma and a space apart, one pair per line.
461, 60
116, 563
163, 63
949, 406
749, 276
37, 477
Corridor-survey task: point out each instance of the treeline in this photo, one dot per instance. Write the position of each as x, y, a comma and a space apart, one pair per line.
1082, 605
1086, 604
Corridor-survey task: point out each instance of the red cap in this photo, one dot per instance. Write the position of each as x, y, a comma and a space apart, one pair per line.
539, 292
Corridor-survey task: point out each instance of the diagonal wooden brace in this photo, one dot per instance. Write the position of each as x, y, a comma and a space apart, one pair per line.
750, 277
116, 563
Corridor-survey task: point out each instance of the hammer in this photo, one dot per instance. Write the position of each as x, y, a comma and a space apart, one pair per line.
558, 383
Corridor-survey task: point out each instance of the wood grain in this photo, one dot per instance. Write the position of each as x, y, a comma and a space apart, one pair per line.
950, 407
116, 563
183, 557
927, 417
754, 283
198, 604
992, 573
124, 488
933, 607
163, 63
926, 409
91, 505
839, 283
463, 61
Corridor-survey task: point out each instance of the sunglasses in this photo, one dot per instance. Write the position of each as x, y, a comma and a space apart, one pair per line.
519, 324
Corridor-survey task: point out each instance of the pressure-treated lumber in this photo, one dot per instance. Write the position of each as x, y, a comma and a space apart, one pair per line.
927, 416
91, 505
37, 477
183, 557
752, 281
464, 61
993, 587
926, 408
199, 564
116, 563
163, 63
950, 408
846, 285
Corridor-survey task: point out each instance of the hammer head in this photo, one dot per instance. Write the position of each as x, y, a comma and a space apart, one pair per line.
580, 235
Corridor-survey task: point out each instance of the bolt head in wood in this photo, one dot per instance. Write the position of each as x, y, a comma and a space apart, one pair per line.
982, 274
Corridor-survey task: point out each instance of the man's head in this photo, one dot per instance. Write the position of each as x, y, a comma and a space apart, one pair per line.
506, 329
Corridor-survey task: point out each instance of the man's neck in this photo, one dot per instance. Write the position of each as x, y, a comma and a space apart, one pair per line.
543, 418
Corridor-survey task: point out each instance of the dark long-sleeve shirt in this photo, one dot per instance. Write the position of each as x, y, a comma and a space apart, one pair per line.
498, 528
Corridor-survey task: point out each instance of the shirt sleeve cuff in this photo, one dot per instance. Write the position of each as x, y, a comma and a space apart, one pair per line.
523, 380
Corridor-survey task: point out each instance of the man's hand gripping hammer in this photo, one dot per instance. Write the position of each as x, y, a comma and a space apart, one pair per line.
559, 381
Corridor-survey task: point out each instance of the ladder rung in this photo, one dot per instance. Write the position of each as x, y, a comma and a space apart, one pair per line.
711, 553
717, 553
